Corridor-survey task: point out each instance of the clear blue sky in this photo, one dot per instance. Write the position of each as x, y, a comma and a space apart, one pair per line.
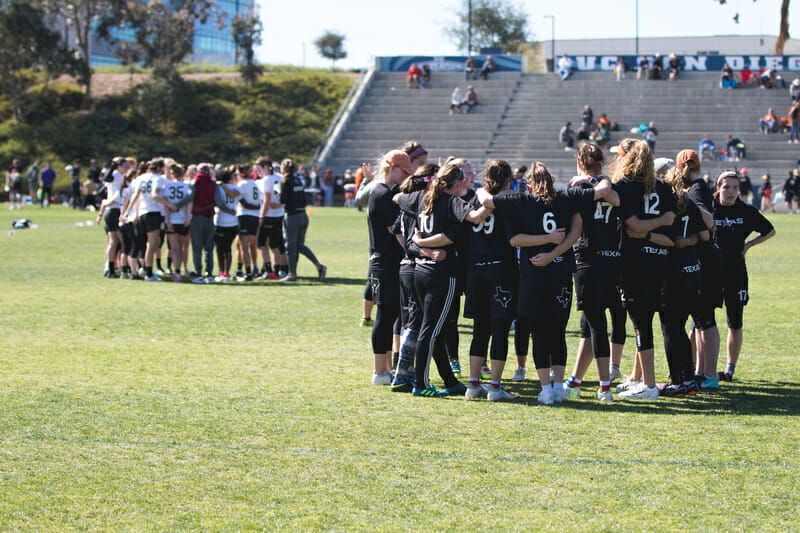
417, 27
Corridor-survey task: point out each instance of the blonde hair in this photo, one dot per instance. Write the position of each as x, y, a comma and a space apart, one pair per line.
636, 164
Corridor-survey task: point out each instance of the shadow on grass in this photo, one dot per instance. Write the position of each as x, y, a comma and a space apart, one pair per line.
744, 398
301, 281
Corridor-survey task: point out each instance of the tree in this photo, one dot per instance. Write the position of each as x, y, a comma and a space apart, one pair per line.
163, 35
81, 15
331, 46
495, 23
246, 33
783, 30
27, 44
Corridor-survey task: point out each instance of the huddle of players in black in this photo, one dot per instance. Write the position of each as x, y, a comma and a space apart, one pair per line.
630, 241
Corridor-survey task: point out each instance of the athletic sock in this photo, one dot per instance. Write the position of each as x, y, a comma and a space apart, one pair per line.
605, 385
111, 266
730, 368
495, 384
574, 382
169, 263
558, 385
247, 270
149, 271
267, 268
239, 267
474, 382
158, 264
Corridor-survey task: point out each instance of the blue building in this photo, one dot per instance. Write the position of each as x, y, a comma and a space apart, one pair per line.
212, 44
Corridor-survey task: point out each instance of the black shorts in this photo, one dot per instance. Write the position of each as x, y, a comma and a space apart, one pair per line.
491, 292
111, 220
597, 287
410, 310
736, 295
545, 295
16, 187
220, 232
385, 284
248, 225
179, 229
271, 231
152, 221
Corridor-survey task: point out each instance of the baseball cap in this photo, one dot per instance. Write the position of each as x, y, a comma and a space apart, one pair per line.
399, 158
685, 156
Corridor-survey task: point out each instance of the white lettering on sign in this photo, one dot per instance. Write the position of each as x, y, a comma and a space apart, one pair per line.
735, 62
775, 62
694, 63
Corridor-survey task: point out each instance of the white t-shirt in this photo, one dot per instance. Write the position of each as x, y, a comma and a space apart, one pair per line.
249, 193
271, 185
223, 219
175, 191
115, 190
124, 195
148, 185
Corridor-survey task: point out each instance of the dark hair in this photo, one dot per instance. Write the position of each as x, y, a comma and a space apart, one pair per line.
496, 175
224, 175
416, 182
541, 182
590, 157
156, 164
177, 170
413, 149
288, 169
448, 175
265, 162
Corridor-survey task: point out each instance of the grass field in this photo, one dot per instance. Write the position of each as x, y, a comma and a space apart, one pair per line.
137, 406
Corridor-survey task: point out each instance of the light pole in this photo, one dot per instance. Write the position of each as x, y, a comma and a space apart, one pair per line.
637, 27
552, 38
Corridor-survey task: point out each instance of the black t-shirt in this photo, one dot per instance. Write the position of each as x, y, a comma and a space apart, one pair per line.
447, 211
487, 241
790, 186
404, 225
635, 202
293, 196
687, 223
599, 240
531, 215
700, 194
381, 214
734, 224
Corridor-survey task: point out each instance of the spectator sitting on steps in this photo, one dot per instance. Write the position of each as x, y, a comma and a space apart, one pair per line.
706, 145
426, 74
657, 71
674, 67
567, 136
727, 80
620, 68
470, 99
565, 67
769, 123
736, 148
587, 117
487, 68
469, 69
414, 76
455, 100
644, 66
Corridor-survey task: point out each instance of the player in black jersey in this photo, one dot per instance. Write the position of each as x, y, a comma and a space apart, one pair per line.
491, 287
545, 224
384, 261
646, 209
437, 210
705, 334
684, 293
735, 221
410, 311
597, 278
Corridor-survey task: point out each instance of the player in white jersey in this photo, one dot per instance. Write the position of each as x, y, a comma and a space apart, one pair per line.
179, 194
110, 210
248, 210
149, 193
226, 223
270, 221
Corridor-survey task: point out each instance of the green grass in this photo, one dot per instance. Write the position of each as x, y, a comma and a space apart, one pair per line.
134, 406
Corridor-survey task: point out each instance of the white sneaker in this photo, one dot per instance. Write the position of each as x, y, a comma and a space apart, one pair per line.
573, 393
615, 373
382, 378
475, 391
605, 396
547, 396
560, 394
640, 392
499, 395
152, 278
519, 375
628, 384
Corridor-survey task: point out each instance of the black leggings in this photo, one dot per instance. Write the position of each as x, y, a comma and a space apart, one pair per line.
642, 319
451, 329
223, 240
677, 345
549, 341
521, 336
498, 329
127, 237
386, 322
436, 293
594, 325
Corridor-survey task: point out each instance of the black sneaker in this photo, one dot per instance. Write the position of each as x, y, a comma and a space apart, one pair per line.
692, 388
725, 376
673, 391
402, 385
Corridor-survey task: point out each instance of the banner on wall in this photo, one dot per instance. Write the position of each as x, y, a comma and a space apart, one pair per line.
691, 63
447, 63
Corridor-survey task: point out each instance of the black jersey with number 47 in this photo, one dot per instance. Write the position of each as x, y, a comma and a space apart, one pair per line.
599, 240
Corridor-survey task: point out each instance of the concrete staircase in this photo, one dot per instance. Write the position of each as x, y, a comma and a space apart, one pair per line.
520, 115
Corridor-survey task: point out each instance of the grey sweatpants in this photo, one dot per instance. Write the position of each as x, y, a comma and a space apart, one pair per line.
202, 233
294, 231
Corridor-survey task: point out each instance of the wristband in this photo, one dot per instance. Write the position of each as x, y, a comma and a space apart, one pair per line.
647, 237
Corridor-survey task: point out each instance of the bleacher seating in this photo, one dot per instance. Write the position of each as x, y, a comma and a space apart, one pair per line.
520, 115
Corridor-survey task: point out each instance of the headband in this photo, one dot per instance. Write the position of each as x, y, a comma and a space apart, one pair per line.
726, 175
418, 151
460, 175
423, 179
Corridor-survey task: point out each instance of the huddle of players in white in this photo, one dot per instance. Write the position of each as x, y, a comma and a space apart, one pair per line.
642, 245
